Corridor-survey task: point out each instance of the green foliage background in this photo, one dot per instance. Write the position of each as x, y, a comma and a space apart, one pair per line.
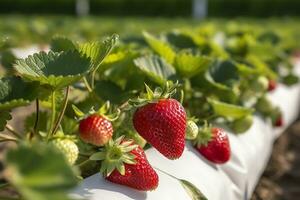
258, 8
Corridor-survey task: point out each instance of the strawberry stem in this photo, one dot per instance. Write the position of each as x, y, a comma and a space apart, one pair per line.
83, 163
93, 79
7, 138
37, 105
87, 85
53, 106
166, 173
65, 103
12, 130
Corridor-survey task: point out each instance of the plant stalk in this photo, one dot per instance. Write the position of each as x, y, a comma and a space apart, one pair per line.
166, 173
37, 105
53, 106
93, 79
83, 163
87, 85
12, 130
61, 114
5, 138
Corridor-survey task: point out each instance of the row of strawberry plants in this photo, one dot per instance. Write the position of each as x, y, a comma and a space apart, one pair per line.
99, 105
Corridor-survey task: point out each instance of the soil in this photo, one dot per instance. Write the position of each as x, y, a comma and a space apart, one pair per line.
281, 179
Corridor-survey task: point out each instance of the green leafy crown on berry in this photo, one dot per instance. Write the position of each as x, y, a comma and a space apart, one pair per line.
114, 154
204, 135
151, 96
105, 111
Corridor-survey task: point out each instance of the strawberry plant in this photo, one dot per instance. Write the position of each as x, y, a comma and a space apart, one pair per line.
98, 106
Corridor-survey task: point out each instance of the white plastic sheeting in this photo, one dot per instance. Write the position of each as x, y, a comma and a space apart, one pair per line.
234, 180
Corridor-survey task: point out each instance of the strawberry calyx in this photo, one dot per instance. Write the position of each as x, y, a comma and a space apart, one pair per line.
114, 155
151, 96
104, 111
204, 135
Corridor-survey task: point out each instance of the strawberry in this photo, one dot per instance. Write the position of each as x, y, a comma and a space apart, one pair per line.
67, 146
279, 122
259, 84
264, 105
276, 117
191, 131
96, 130
125, 163
272, 85
213, 144
162, 124
243, 124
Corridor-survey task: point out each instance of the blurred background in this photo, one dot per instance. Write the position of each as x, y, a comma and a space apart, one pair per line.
27, 21
165, 8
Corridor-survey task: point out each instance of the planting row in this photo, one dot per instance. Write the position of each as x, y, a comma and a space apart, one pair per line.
99, 105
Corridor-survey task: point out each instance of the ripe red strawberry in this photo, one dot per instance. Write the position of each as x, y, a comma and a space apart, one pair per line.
213, 144
272, 85
279, 122
126, 164
95, 130
163, 125
140, 175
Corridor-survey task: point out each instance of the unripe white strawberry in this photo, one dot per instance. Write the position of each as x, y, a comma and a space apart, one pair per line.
191, 131
68, 147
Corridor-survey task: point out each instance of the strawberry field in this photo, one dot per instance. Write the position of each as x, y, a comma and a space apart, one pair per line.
104, 108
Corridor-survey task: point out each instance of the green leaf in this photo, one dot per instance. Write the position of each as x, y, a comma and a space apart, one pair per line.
180, 40
207, 85
115, 57
40, 172
109, 91
155, 68
246, 70
261, 66
59, 44
14, 92
290, 79
54, 70
161, 48
4, 117
229, 110
7, 59
224, 72
97, 51
69, 125
192, 190
189, 65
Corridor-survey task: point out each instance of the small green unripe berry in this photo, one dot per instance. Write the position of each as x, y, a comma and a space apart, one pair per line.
191, 130
242, 125
67, 147
264, 106
259, 84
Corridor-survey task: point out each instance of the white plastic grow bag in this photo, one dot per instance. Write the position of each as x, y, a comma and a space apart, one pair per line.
234, 180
